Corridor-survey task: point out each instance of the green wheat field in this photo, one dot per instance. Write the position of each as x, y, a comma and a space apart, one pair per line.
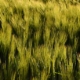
39, 39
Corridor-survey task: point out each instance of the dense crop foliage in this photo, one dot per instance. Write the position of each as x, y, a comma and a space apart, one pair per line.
39, 40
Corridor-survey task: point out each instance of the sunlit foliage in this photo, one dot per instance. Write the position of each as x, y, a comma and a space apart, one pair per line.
39, 39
